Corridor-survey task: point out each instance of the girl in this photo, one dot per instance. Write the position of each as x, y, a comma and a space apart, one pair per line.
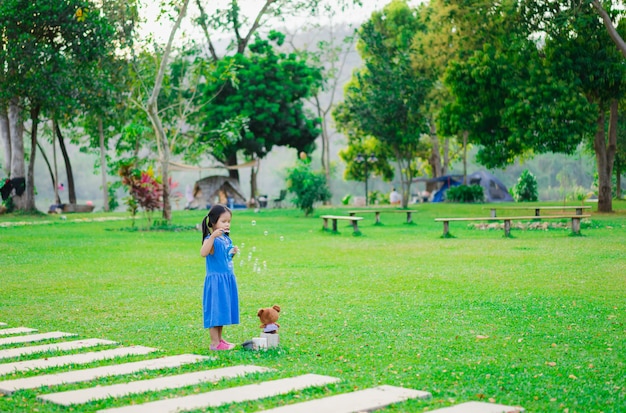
220, 302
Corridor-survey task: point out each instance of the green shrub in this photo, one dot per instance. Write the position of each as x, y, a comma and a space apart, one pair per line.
465, 194
525, 190
307, 186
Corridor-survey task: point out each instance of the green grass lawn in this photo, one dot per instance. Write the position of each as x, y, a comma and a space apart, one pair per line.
537, 320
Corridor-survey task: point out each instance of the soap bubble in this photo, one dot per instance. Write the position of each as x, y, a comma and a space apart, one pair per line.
243, 244
265, 265
265, 233
253, 222
253, 249
282, 238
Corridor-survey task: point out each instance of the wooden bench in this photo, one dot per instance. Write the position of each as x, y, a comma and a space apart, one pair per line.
507, 221
538, 209
353, 220
377, 212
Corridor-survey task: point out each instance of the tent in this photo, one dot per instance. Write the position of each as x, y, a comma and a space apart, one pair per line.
217, 189
493, 188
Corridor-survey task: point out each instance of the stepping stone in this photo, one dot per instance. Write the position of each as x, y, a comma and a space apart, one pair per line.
16, 330
3, 324
83, 358
77, 376
68, 398
33, 337
68, 345
479, 407
358, 401
232, 395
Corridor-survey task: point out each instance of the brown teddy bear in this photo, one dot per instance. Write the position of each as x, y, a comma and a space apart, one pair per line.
269, 317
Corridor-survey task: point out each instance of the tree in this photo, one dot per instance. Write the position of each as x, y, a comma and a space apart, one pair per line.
47, 50
308, 186
241, 28
269, 92
329, 45
385, 98
542, 96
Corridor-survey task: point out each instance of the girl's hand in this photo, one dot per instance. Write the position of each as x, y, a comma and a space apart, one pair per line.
218, 232
235, 250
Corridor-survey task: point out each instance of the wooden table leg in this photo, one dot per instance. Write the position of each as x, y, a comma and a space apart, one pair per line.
446, 228
355, 226
507, 227
576, 225
326, 224
334, 225
408, 217
493, 212
377, 213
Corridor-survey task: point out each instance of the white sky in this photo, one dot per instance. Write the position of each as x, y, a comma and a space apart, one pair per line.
161, 29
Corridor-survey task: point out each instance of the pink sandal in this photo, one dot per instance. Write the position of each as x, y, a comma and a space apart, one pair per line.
222, 346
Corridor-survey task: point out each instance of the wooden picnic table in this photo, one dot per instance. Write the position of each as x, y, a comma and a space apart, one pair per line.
377, 213
334, 218
538, 209
507, 221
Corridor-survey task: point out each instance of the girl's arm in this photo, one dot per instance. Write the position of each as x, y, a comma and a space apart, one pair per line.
207, 245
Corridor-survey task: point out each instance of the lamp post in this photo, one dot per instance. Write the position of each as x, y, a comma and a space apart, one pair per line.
366, 160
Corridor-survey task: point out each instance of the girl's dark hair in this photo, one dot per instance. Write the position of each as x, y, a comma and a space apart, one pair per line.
214, 214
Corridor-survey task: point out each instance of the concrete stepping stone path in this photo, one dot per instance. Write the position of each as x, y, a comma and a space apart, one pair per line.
77, 376
83, 358
232, 395
16, 330
2, 324
354, 402
68, 345
141, 386
34, 337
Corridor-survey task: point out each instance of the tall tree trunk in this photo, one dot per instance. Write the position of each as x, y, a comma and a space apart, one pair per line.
446, 157
231, 160
465, 133
103, 166
57, 197
45, 158
30, 178
71, 190
18, 166
325, 144
618, 180
435, 154
253, 183
152, 110
605, 156
5, 136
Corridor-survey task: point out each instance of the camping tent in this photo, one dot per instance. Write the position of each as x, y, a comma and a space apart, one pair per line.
217, 189
493, 188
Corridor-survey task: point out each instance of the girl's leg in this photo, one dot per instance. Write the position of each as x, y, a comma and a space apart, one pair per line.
216, 333
221, 338
216, 339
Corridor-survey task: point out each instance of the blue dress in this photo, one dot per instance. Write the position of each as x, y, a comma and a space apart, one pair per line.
220, 302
